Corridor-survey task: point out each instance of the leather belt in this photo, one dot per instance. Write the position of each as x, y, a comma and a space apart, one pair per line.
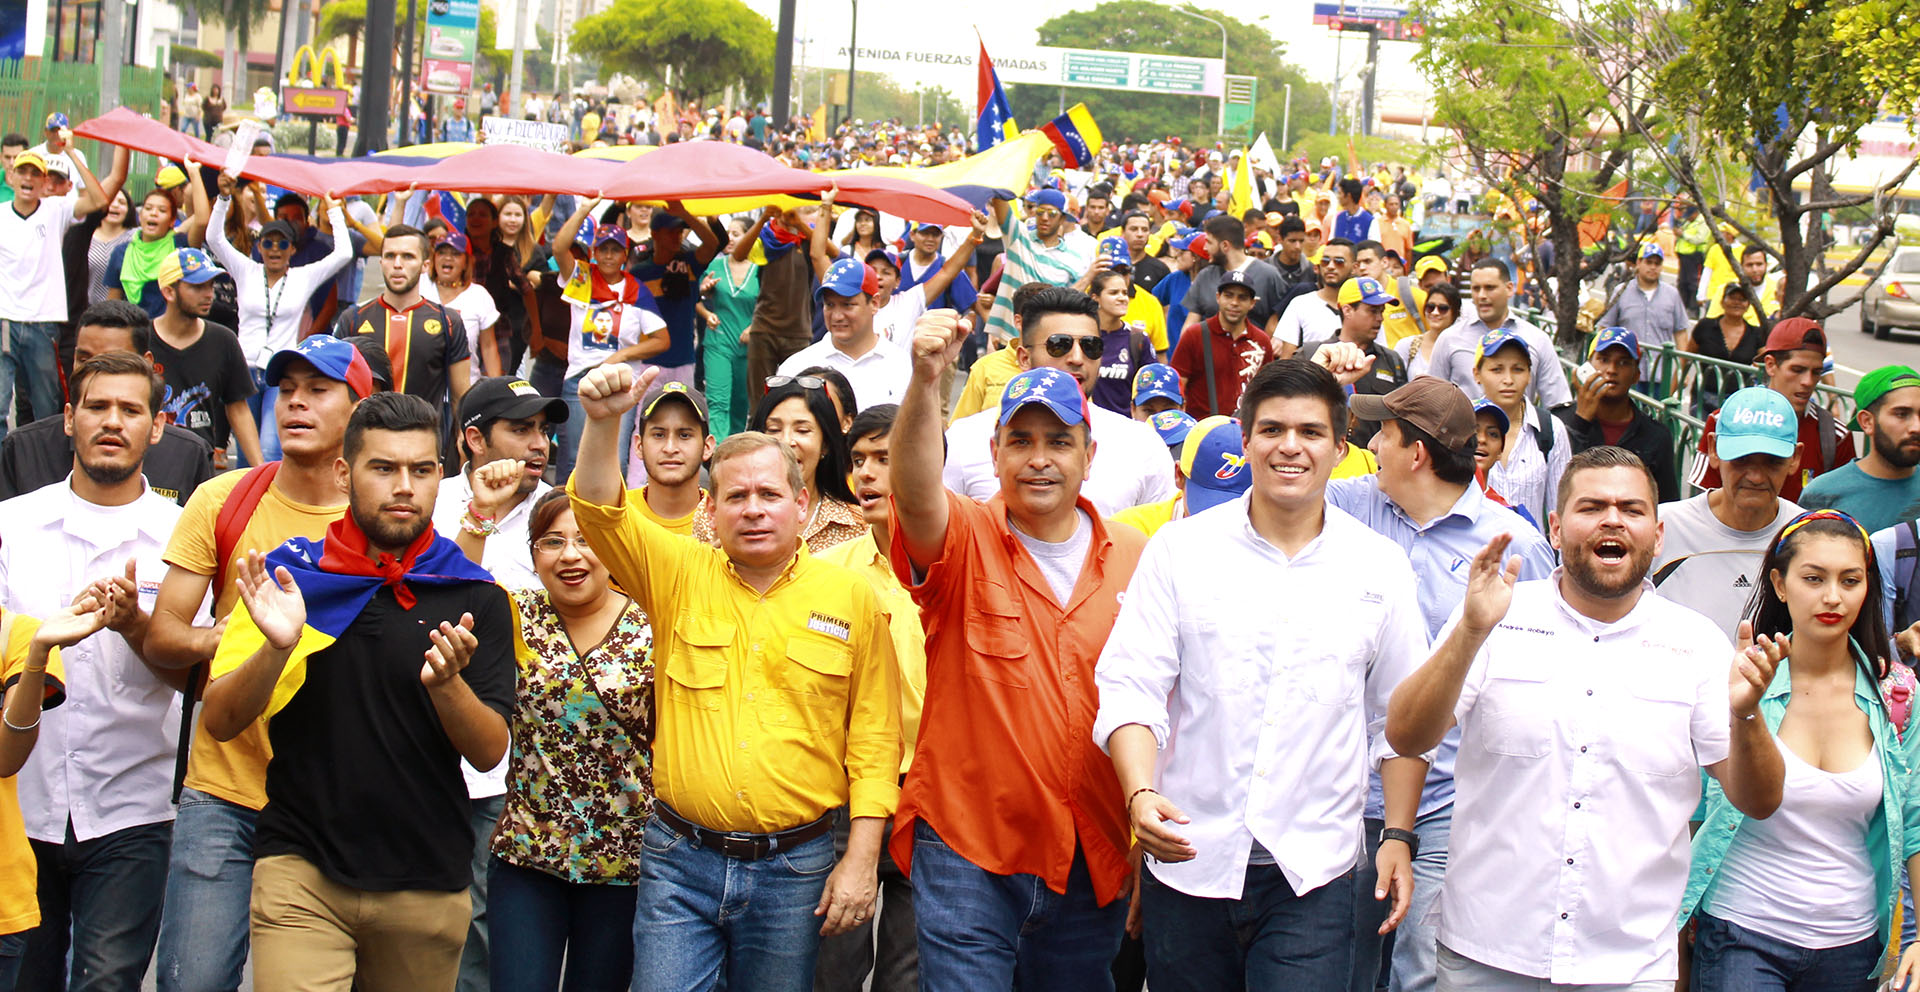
740, 845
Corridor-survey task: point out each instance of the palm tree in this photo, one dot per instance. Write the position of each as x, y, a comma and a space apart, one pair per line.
239, 18
344, 19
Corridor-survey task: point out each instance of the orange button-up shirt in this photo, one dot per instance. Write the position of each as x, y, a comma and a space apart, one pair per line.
1006, 770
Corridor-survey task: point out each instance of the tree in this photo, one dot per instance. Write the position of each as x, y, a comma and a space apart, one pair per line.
1140, 26
239, 18
707, 45
346, 19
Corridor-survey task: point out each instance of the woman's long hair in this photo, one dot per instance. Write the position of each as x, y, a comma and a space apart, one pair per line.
527, 244
836, 459
1769, 612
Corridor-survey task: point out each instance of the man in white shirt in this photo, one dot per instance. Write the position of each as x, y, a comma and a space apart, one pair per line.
1587, 704
897, 307
1454, 352
877, 368
94, 794
1134, 468
1241, 734
1316, 316
1710, 560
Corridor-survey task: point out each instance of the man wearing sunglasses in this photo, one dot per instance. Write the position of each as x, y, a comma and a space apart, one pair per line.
1315, 316
1054, 251
1136, 468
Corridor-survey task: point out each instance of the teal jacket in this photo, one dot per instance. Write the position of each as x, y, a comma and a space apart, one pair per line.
1892, 837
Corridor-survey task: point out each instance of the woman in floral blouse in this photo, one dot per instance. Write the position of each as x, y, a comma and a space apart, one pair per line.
566, 855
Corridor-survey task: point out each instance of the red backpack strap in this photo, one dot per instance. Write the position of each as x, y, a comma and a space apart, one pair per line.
233, 517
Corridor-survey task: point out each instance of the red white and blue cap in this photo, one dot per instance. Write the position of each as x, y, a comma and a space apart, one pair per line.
1651, 249
1173, 426
848, 277
1615, 337
604, 233
1056, 390
336, 358
56, 121
887, 254
1215, 463
1195, 242
916, 226
1492, 409
1156, 381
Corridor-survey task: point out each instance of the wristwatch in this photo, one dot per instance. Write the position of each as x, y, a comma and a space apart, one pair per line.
1407, 837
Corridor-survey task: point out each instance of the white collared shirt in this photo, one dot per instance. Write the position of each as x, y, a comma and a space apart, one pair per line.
1580, 749
879, 376
1131, 466
1265, 717
105, 756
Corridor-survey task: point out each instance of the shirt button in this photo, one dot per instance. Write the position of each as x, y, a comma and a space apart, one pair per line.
1596, 638
1569, 861
740, 795
743, 745
1583, 747
1576, 805
1589, 692
750, 699
1262, 772
1563, 916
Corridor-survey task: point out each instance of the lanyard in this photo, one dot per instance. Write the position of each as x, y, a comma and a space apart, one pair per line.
273, 299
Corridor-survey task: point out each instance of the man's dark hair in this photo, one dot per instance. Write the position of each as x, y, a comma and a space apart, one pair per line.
409, 231
388, 412
120, 313
1291, 223
1049, 300
1452, 466
1604, 456
874, 421
1253, 214
1134, 201
1378, 248
119, 363
1352, 189
1224, 226
837, 381
1339, 243
1287, 378
378, 362
1751, 249
14, 141
1098, 191
1131, 214
1506, 274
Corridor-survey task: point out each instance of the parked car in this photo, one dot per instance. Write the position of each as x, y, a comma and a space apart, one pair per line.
1892, 296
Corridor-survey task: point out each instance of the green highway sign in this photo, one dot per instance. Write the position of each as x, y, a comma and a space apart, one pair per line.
1087, 69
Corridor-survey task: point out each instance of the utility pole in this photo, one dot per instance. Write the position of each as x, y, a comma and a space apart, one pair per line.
406, 78
783, 67
376, 80
522, 26
113, 54
1366, 86
853, 54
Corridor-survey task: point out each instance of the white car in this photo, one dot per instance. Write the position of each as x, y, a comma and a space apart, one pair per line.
1892, 296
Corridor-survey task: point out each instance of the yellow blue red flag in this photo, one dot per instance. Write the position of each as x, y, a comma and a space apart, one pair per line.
1075, 135
995, 122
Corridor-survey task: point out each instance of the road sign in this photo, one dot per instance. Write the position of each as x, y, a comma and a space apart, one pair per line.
1392, 23
1092, 69
315, 101
1173, 75
1238, 112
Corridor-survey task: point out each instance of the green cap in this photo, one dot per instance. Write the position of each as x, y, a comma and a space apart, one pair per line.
1882, 381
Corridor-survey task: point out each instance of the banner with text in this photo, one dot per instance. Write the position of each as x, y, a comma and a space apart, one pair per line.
1041, 65
529, 134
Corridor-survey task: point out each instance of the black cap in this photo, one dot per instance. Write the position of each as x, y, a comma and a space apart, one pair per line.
507, 398
1234, 277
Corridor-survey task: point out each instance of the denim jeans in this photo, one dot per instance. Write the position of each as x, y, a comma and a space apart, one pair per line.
1419, 932
12, 946
203, 936
979, 930
884, 946
27, 357
99, 909
261, 403
473, 956
577, 419
543, 921
702, 915
1269, 938
1728, 957
1368, 914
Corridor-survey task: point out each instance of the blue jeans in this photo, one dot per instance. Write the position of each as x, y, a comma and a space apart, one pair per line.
99, 908
576, 419
544, 921
28, 350
1414, 943
261, 403
473, 956
1269, 938
12, 946
1728, 957
979, 930
203, 937
702, 915
1368, 914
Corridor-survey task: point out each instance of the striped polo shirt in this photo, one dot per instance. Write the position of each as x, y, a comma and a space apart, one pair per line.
1027, 260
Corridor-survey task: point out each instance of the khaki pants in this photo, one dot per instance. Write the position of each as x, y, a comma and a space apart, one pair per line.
312, 934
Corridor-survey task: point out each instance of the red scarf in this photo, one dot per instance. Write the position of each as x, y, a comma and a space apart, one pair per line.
349, 553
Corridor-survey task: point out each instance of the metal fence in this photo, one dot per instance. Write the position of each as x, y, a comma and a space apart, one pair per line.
30, 89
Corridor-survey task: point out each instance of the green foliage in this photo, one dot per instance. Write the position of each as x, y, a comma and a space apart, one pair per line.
709, 44
878, 96
1747, 61
191, 56
240, 15
1141, 26
344, 19
1882, 37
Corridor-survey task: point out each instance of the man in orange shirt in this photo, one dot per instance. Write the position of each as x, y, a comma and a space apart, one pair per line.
1011, 824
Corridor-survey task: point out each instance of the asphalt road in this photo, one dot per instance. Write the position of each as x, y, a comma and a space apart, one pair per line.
1855, 354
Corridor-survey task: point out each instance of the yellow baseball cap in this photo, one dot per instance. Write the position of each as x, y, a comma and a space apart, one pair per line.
1429, 263
25, 159
170, 177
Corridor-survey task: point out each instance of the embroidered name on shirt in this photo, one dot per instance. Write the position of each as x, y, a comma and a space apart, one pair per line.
1371, 597
831, 626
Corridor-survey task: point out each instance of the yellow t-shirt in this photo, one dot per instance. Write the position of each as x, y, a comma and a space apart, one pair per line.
1359, 462
1144, 309
236, 770
862, 555
683, 526
19, 907
1148, 518
989, 379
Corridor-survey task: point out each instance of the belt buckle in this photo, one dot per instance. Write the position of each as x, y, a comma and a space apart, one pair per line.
744, 847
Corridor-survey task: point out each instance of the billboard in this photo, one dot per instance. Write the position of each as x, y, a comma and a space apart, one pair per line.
1393, 23
1144, 72
453, 32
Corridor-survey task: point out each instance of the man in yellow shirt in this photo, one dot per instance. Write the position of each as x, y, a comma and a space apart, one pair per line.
672, 442
778, 701
846, 960
990, 375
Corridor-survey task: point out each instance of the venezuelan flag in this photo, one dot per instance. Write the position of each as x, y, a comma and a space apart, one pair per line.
334, 600
1075, 135
995, 122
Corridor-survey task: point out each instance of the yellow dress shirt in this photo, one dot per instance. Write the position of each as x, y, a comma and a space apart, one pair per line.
862, 555
986, 382
770, 709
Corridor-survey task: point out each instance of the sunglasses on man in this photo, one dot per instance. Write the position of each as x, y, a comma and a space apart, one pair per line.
1091, 345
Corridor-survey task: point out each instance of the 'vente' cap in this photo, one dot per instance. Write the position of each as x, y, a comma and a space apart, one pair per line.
503, 397
848, 277
1364, 289
1214, 462
336, 358
186, 265
1755, 420
1882, 381
1156, 381
1615, 337
1434, 405
1056, 390
673, 389
1172, 425
1791, 334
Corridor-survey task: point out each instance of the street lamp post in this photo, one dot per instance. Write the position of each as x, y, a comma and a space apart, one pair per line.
1220, 125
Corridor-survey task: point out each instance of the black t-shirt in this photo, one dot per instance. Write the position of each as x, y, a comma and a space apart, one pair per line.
364, 782
211, 373
41, 454
1149, 271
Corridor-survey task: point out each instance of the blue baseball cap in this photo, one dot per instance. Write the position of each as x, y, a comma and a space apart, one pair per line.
1615, 337
887, 254
336, 358
1496, 339
1056, 390
1115, 253
452, 239
56, 121
917, 226
848, 277
1755, 420
1173, 426
611, 232
661, 220
1490, 407
1051, 198
1652, 250
1215, 463
1156, 380
188, 265
1364, 289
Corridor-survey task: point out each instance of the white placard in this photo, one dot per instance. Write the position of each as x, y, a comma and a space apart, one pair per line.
533, 134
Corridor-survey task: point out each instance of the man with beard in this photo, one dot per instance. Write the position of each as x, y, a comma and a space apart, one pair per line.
501, 419
41, 453
1227, 249
673, 441
1880, 488
424, 340
94, 792
1586, 703
364, 847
